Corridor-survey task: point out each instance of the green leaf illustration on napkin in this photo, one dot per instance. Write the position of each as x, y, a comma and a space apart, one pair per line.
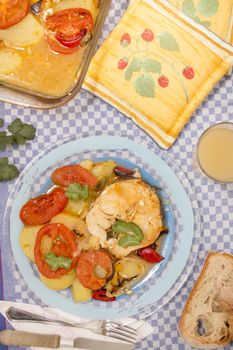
203, 23
145, 85
208, 7
135, 66
168, 42
149, 65
188, 8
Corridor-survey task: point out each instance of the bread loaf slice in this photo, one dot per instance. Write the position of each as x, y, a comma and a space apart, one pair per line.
204, 324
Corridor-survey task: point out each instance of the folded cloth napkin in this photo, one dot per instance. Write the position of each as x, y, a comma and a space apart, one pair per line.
210, 13
143, 328
157, 66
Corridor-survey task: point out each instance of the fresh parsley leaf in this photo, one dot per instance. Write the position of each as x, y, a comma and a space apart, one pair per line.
129, 234
76, 192
19, 139
1, 123
2, 134
8, 172
15, 126
56, 262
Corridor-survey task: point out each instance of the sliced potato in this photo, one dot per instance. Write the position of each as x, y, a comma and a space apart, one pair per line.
27, 240
85, 4
94, 243
78, 208
104, 169
80, 293
87, 164
73, 223
61, 283
10, 60
25, 33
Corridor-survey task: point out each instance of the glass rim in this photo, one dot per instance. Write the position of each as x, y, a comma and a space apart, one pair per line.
197, 153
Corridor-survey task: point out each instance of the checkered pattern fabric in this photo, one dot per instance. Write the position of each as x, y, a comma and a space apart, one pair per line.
87, 113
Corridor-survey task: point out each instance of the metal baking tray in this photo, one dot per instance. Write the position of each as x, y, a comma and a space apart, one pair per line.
22, 97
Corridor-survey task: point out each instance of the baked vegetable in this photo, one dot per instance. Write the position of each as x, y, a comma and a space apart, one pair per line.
40, 210
55, 250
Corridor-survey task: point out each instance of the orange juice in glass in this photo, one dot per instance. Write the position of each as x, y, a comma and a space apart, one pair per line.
215, 152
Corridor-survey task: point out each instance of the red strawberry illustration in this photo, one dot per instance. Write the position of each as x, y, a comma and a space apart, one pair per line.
125, 40
147, 35
123, 63
163, 81
188, 73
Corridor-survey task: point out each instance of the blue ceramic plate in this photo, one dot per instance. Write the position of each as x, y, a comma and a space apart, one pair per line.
178, 247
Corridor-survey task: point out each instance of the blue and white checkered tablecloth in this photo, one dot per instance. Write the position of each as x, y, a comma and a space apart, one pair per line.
87, 113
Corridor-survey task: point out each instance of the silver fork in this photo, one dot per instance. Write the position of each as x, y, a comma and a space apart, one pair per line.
110, 328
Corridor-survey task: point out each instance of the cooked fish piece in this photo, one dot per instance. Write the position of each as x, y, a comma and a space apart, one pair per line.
131, 201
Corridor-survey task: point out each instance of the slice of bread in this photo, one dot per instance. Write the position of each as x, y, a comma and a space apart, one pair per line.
204, 324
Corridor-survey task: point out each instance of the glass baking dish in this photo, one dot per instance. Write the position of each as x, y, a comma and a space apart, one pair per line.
29, 98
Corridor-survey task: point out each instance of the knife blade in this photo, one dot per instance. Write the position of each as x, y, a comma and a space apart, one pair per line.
19, 338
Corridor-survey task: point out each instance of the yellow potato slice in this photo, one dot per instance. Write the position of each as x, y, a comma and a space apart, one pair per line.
85, 4
27, 240
9, 61
80, 293
72, 222
104, 169
87, 164
61, 283
25, 33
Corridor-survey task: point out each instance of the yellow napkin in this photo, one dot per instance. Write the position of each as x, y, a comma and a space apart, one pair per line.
216, 15
157, 67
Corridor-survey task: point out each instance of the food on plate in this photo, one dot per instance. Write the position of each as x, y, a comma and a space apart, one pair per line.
95, 231
207, 318
42, 43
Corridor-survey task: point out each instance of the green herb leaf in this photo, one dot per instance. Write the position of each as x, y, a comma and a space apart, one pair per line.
15, 126
4, 141
8, 172
56, 262
1, 123
168, 42
28, 132
188, 8
19, 139
149, 65
208, 8
129, 234
2, 134
76, 192
135, 66
145, 85
3, 161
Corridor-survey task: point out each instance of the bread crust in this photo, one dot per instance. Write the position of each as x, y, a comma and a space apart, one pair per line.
202, 343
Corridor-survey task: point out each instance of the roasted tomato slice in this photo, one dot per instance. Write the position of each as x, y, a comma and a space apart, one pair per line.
69, 26
40, 210
101, 295
57, 47
93, 269
12, 11
69, 174
55, 250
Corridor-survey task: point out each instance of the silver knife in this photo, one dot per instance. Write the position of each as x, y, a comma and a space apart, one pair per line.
18, 338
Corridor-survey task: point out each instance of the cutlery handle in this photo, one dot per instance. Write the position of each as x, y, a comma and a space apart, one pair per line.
18, 338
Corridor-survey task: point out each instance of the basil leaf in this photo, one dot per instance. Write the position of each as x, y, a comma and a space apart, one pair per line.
76, 192
56, 262
1, 123
129, 233
8, 172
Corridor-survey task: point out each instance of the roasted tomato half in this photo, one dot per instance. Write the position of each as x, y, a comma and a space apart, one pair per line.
12, 11
55, 250
40, 210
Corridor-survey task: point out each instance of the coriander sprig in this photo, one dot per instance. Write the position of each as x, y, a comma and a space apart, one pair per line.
7, 171
18, 133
